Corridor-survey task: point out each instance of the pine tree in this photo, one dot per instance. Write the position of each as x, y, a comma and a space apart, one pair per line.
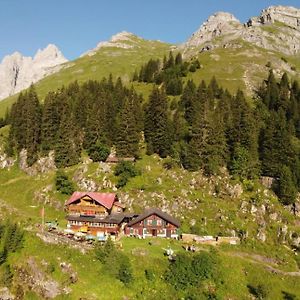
286, 190
67, 148
187, 101
127, 142
50, 122
157, 124
178, 59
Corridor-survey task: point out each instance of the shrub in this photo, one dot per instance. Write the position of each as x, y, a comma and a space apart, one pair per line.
288, 296
149, 274
189, 271
125, 270
115, 262
98, 152
63, 184
7, 276
260, 291
125, 170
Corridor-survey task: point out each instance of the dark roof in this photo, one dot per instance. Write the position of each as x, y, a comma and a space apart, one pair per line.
114, 159
155, 211
113, 218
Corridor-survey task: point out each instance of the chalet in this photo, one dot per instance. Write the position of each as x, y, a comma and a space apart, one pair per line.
95, 213
153, 222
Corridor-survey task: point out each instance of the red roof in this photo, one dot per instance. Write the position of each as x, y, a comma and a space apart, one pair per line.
105, 199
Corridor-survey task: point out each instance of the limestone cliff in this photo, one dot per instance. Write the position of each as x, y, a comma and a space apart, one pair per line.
18, 72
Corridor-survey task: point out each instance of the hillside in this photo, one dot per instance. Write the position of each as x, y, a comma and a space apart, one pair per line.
120, 57
239, 55
220, 161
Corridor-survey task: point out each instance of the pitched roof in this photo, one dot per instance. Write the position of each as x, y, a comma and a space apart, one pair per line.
155, 211
105, 199
113, 218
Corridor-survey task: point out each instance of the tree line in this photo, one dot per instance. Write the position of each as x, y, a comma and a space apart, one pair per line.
168, 72
205, 128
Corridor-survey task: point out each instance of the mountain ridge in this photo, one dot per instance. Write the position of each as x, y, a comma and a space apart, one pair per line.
18, 72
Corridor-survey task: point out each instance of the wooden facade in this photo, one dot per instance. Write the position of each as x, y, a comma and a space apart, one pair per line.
96, 214
153, 223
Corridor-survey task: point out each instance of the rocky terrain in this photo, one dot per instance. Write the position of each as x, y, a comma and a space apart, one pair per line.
18, 72
123, 40
277, 29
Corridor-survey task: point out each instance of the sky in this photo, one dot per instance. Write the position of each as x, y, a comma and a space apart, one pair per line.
76, 26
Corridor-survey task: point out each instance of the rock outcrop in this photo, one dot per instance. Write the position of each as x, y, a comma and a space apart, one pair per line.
220, 24
18, 72
123, 40
277, 28
42, 165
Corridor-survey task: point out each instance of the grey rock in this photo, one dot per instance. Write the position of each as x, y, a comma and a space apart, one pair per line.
261, 235
18, 72
5, 294
222, 30
42, 165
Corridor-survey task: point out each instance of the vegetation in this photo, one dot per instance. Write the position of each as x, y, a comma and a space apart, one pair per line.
63, 184
202, 127
168, 72
125, 170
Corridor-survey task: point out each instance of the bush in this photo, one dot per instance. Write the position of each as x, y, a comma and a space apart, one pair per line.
125, 170
125, 270
98, 152
169, 163
7, 276
149, 274
288, 296
189, 271
260, 291
63, 184
115, 262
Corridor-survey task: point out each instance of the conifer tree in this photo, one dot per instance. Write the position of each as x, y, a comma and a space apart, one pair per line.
157, 124
127, 142
50, 122
67, 148
286, 190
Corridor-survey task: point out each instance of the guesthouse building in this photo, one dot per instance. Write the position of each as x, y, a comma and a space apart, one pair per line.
94, 213
153, 222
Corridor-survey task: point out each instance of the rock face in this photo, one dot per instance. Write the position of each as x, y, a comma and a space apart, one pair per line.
42, 165
18, 72
219, 24
277, 28
284, 14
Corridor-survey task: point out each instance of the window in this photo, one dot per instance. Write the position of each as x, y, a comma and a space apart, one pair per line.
159, 222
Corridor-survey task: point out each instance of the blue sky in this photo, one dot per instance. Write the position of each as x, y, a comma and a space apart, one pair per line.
78, 25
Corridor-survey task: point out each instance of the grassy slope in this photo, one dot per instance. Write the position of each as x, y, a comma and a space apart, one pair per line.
108, 60
241, 66
17, 192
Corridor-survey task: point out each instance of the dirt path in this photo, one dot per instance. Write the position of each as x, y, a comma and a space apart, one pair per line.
264, 261
13, 180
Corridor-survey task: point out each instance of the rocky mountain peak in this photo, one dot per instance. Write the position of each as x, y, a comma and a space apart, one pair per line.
221, 23
123, 40
122, 36
287, 15
277, 28
51, 52
18, 72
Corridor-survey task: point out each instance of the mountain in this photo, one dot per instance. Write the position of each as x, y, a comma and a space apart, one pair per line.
18, 72
239, 55
277, 29
234, 202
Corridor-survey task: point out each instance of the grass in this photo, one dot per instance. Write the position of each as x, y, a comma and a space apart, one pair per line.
116, 61
94, 282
